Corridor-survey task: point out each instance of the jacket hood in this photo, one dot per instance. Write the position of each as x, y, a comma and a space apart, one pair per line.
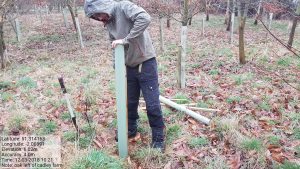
99, 6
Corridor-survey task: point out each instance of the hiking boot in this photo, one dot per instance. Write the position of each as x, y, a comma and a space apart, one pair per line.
159, 145
131, 134
158, 137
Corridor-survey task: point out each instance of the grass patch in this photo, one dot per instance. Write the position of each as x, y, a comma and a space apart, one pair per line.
162, 68
112, 86
198, 142
91, 74
56, 103
143, 118
166, 112
285, 62
65, 116
17, 121
241, 78
6, 96
202, 104
97, 160
295, 118
264, 106
214, 72
232, 99
171, 46
195, 65
23, 70
5, 84
45, 38
173, 132
150, 158
113, 124
296, 133
226, 124
182, 98
27, 83
288, 165
216, 162
274, 140
264, 59
143, 129
84, 142
70, 136
252, 144
48, 92
49, 127
88, 130
225, 52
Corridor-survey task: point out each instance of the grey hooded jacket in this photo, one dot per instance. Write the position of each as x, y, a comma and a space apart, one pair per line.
127, 22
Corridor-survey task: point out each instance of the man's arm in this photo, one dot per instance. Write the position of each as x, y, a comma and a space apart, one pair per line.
140, 18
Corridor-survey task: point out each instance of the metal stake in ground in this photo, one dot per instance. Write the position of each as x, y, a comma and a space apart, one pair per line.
66, 95
121, 92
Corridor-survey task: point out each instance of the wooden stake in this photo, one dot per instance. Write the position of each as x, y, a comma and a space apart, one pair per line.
269, 25
183, 55
65, 18
232, 28
79, 33
179, 67
121, 92
18, 31
162, 45
270, 20
203, 26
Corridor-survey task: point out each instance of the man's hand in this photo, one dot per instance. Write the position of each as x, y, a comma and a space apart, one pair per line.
117, 42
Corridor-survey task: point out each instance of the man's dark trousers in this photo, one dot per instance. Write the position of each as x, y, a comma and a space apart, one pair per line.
145, 79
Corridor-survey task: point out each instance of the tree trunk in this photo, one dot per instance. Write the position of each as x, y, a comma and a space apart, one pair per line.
292, 33
79, 33
72, 12
241, 40
2, 45
227, 15
168, 22
161, 32
190, 20
243, 10
258, 13
183, 42
228, 22
207, 15
207, 10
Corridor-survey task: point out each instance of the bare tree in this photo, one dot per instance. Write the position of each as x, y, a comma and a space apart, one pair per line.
293, 29
71, 4
242, 11
259, 11
227, 15
207, 8
5, 5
